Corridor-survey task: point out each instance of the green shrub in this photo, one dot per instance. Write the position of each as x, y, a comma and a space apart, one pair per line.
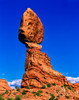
67, 96
52, 97
56, 99
1, 97
69, 88
18, 95
27, 87
58, 96
9, 99
48, 85
37, 93
6, 91
40, 91
18, 89
33, 92
47, 92
61, 94
17, 98
23, 92
64, 85
43, 87
54, 84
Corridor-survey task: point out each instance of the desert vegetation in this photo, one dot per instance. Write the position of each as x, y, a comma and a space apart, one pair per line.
49, 92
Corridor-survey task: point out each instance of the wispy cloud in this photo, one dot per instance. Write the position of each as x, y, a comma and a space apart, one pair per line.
73, 79
15, 83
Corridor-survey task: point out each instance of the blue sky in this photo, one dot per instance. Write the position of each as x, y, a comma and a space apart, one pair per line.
61, 35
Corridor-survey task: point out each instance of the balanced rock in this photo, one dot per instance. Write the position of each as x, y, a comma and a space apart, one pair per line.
31, 28
38, 69
4, 86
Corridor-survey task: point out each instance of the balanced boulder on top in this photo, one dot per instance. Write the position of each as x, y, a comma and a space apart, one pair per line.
31, 28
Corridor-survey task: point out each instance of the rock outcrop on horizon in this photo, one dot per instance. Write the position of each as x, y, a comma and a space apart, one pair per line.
4, 86
38, 69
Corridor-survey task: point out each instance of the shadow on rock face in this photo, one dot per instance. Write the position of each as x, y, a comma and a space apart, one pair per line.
22, 38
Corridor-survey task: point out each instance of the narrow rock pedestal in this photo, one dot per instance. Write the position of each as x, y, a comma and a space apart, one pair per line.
38, 69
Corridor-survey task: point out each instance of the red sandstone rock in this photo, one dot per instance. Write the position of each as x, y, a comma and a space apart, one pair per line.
76, 86
4, 86
45, 95
76, 97
38, 70
31, 28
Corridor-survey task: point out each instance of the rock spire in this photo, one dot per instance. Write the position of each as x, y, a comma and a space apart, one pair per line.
38, 69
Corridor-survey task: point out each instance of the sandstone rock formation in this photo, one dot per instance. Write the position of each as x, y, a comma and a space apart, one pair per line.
31, 28
4, 86
38, 69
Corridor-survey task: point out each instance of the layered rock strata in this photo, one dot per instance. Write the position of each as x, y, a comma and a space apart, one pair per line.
38, 69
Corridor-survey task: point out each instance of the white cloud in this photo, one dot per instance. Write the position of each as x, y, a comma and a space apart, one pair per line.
73, 79
15, 83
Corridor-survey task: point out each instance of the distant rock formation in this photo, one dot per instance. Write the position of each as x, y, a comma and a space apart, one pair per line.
38, 69
4, 86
